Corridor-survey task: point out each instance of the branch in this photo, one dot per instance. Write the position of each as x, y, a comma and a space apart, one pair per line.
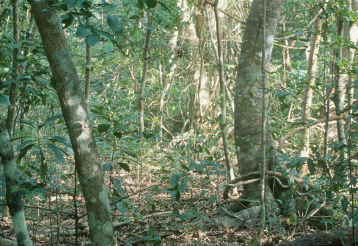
226, 13
305, 29
302, 128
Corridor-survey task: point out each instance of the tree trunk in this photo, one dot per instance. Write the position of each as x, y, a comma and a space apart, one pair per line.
13, 88
74, 110
308, 92
144, 75
13, 196
340, 86
223, 123
248, 92
88, 69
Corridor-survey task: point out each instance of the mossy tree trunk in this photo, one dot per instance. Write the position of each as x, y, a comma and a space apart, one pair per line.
74, 110
13, 196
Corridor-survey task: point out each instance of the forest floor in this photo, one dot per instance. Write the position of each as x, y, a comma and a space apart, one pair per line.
145, 217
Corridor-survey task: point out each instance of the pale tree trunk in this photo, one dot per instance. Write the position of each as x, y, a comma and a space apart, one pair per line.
308, 91
353, 32
74, 110
13, 88
13, 195
220, 64
144, 76
88, 69
248, 92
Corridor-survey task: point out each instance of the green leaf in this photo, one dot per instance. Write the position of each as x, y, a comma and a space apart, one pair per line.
23, 153
137, 33
67, 21
52, 118
109, 7
140, 4
23, 144
43, 166
108, 47
124, 166
174, 180
60, 140
150, 232
151, 3
63, 141
107, 166
82, 31
28, 122
344, 203
4, 99
102, 33
72, 3
282, 95
103, 128
92, 40
202, 194
311, 166
336, 200
329, 194
117, 184
131, 153
118, 134
58, 153
113, 22
164, 6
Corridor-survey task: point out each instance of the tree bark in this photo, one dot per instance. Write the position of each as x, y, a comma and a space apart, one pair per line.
308, 91
220, 65
144, 75
248, 92
13, 195
13, 88
340, 86
88, 69
74, 110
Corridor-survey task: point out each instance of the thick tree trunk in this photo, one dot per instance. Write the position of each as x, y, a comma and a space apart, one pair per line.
13, 196
248, 93
74, 110
308, 92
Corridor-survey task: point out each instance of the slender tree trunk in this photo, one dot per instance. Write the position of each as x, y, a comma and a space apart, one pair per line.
263, 133
220, 65
74, 110
13, 195
144, 75
353, 34
13, 88
308, 91
340, 85
248, 91
88, 69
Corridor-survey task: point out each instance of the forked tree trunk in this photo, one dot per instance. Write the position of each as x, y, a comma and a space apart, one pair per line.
248, 92
74, 110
